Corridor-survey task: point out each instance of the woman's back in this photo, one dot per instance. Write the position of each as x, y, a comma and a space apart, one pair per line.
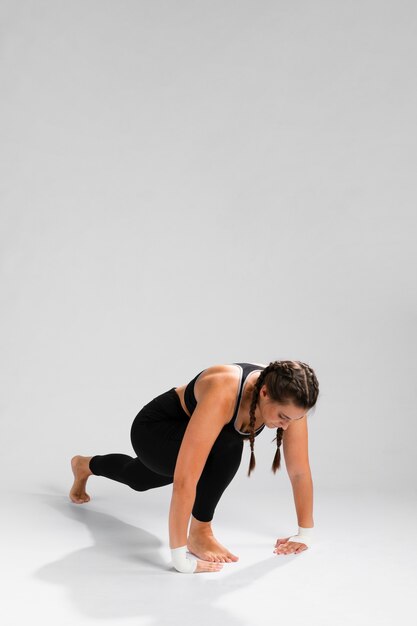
237, 381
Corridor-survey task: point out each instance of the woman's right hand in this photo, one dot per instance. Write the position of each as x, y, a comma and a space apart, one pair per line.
186, 565
207, 566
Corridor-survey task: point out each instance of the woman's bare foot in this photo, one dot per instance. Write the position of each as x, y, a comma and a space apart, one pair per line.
202, 543
81, 471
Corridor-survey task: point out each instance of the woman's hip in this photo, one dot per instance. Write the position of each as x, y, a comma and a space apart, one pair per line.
165, 406
163, 422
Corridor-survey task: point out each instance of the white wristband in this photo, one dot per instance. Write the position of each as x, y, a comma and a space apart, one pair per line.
304, 535
181, 562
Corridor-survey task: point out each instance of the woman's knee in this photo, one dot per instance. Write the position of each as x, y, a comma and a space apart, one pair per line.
138, 486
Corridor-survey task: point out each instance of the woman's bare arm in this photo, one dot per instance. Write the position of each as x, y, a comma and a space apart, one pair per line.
209, 417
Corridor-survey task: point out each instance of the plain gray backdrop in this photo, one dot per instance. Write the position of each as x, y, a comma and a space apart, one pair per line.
192, 183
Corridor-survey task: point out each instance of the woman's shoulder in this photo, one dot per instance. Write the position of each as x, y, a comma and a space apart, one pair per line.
222, 373
216, 377
221, 379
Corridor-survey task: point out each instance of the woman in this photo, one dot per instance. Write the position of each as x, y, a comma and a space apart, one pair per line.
192, 436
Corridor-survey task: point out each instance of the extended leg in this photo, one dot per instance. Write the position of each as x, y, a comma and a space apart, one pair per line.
156, 442
120, 467
128, 470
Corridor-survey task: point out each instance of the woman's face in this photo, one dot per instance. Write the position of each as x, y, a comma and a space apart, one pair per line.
275, 414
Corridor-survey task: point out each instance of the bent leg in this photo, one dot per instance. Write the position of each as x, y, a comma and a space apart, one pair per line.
128, 470
156, 435
220, 468
156, 445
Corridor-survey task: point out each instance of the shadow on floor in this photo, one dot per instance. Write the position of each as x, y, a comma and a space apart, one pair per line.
123, 575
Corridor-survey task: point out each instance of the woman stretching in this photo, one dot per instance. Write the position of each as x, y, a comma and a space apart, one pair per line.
192, 436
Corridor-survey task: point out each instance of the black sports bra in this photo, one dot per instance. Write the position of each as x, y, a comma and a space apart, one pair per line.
245, 370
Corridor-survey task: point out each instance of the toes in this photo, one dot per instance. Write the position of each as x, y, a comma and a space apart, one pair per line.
213, 558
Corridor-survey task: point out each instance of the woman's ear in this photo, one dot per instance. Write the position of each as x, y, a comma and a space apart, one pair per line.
263, 391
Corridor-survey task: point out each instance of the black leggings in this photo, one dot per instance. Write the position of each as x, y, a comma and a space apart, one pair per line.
156, 436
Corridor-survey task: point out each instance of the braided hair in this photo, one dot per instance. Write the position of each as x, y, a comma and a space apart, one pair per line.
286, 381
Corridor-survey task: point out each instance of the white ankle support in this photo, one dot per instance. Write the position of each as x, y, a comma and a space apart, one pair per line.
304, 535
182, 562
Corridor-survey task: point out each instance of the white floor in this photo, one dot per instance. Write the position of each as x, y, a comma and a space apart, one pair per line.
109, 561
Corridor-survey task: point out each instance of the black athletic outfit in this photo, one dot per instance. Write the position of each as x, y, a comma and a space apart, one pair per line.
156, 435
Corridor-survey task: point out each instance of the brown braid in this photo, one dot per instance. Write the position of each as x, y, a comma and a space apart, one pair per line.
286, 381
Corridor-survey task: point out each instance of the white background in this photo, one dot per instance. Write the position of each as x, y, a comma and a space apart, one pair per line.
188, 183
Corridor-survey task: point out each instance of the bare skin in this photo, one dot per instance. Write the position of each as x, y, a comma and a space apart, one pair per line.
81, 471
200, 541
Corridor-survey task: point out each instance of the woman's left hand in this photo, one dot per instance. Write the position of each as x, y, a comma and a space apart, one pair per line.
283, 546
